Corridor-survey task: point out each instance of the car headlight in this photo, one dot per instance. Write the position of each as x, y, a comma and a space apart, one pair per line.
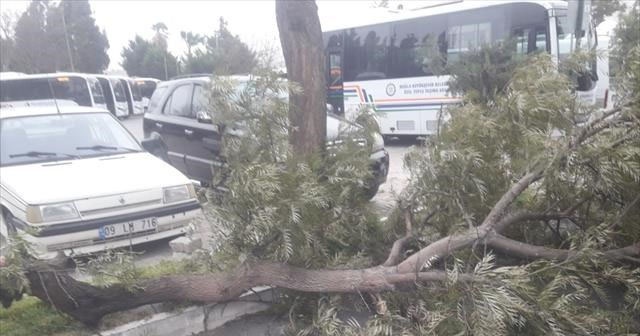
178, 193
52, 212
378, 142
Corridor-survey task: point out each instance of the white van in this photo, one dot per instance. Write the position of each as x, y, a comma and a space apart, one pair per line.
143, 89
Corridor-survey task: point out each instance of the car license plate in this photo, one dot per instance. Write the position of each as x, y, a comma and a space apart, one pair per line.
127, 228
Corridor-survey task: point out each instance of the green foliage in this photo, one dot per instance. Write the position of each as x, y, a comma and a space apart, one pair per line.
145, 58
40, 41
600, 9
221, 53
513, 120
482, 75
278, 207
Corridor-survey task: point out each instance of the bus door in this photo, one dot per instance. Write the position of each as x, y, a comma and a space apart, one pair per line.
122, 108
97, 93
128, 95
335, 93
107, 90
138, 107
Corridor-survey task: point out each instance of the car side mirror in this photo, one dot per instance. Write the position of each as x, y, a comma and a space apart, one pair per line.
203, 117
152, 144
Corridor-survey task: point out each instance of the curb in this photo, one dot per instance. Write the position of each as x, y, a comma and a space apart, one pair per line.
196, 319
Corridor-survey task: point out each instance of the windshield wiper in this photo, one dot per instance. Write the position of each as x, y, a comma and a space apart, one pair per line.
103, 147
41, 154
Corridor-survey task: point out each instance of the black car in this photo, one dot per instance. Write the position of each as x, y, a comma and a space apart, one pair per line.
177, 118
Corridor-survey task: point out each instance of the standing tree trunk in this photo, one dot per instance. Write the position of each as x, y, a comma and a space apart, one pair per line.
301, 39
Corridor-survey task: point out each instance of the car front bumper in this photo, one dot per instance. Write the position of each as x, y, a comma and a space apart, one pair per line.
84, 237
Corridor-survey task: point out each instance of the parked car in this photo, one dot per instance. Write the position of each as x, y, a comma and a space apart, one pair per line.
73, 179
178, 119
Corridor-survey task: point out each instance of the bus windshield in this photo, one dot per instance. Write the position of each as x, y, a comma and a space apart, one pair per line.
70, 88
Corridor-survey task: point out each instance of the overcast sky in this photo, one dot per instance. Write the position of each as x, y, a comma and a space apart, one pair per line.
253, 20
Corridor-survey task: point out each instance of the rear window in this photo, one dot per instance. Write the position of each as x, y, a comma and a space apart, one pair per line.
156, 98
66, 88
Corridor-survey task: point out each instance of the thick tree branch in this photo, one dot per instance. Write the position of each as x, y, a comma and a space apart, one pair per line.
395, 255
527, 251
88, 304
447, 245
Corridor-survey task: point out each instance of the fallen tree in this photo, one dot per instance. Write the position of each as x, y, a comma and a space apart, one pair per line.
520, 218
89, 304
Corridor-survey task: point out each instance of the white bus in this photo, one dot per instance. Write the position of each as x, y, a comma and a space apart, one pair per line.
142, 89
384, 64
115, 95
45, 89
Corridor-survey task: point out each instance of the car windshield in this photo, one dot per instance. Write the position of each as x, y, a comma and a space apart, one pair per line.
42, 138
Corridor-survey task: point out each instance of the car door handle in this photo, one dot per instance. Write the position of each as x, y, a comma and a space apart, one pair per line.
188, 132
158, 125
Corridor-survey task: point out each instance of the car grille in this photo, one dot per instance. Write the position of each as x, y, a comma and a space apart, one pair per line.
93, 212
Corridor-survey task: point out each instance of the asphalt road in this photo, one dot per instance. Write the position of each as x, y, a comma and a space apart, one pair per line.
384, 200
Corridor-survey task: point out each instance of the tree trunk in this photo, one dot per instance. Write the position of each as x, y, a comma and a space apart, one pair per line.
88, 304
301, 39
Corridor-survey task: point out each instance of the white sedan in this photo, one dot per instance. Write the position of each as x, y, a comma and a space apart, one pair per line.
75, 180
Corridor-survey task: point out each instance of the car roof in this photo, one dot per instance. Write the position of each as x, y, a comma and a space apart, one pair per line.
201, 79
10, 112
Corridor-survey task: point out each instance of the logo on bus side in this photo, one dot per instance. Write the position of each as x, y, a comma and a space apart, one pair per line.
391, 89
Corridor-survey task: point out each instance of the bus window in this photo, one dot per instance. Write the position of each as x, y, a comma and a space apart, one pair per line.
118, 91
135, 91
64, 88
96, 90
417, 47
366, 52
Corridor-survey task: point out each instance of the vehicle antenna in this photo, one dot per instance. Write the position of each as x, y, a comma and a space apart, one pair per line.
55, 101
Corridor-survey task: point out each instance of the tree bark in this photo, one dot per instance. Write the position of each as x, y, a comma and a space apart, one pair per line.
88, 304
301, 39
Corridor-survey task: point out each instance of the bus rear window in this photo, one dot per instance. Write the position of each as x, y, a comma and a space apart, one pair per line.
64, 88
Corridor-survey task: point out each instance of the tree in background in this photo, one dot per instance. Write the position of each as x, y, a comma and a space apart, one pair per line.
31, 41
83, 46
160, 40
7, 39
603, 8
145, 58
223, 53
62, 37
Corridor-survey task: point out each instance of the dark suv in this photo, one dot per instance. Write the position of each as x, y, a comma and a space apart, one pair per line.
178, 118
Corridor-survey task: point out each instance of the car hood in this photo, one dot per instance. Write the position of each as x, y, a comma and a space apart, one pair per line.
61, 181
338, 126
